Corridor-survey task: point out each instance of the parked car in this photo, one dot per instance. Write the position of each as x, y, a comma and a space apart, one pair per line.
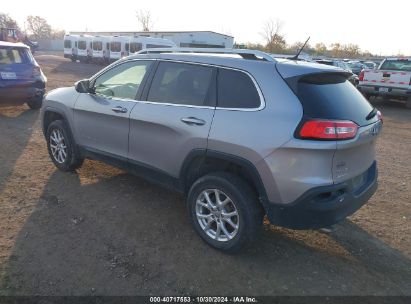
370, 65
343, 65
392, 79
356, 67
21, 79
240, 133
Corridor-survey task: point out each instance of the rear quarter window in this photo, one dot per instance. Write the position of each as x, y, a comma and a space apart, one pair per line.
235, 89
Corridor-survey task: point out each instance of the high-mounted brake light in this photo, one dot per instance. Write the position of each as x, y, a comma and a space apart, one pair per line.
361, 76
328, 129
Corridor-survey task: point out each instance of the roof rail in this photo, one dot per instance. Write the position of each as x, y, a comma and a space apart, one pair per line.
246, 54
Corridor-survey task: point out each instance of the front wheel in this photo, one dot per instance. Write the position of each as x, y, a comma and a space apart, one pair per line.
61, 147
224, 211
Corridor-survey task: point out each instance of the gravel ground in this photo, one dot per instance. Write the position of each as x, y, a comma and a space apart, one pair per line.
101, 231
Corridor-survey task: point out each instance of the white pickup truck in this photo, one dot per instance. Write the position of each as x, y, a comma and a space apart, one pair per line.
392, 80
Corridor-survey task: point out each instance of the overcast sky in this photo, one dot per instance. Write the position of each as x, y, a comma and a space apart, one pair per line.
374, 26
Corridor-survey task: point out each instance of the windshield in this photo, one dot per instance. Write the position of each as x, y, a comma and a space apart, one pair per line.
397, 65
355, 65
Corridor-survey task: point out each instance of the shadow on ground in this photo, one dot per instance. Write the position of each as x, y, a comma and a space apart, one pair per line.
13, 118
123, 236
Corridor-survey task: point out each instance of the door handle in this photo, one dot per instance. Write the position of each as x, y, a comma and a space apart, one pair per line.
193, 121
119, 109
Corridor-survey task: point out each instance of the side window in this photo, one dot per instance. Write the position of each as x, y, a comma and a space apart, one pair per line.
122, 81
181, 83
235, 89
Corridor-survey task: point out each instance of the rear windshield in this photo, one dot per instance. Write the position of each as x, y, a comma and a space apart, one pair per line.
333, 97
97, 45
396, 65
14, 55
115, 46
67, 44
82, 45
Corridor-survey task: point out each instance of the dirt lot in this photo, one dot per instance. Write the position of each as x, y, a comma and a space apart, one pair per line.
102, 231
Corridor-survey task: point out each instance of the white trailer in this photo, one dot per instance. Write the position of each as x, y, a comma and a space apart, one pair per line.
84, 48
101, 49
70, 46
119, 46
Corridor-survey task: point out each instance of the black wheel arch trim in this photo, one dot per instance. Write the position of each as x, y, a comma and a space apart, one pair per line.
203, 154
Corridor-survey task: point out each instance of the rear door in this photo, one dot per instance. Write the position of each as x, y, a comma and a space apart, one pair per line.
175, 117
332, 97
102, 119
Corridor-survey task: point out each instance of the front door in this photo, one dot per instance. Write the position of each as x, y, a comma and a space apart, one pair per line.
102, 118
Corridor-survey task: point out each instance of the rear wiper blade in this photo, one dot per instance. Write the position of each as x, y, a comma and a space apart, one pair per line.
371, 114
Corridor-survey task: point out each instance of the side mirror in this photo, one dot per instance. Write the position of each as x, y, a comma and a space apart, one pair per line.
83, 86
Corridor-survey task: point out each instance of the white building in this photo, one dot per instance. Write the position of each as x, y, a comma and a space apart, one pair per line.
201, 39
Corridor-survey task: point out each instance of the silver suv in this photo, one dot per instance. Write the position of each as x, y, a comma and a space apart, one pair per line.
239, 133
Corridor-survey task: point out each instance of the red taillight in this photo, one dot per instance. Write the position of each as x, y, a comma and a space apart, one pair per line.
361, 76
328, 129
379, 116
36, 71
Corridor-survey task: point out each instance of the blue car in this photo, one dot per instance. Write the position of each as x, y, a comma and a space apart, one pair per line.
21, 79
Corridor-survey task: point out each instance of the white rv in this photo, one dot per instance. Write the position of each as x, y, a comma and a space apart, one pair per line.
100, 49
84, 48
70, 46
139, 43
119, 47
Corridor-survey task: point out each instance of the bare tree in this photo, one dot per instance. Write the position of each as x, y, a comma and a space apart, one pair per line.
39, 27
275, 42
145, 20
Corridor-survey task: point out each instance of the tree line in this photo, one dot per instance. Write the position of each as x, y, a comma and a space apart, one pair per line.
35, 27
275, 42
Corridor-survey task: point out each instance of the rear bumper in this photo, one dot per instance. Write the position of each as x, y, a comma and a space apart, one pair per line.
394, 92
22, 91
326, 205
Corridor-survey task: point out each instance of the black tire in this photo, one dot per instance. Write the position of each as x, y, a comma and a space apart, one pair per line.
250, 211
408, 103
73, 159
367, 96
35, 103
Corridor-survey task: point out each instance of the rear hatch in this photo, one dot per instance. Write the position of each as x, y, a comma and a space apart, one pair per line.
395, 73
15, 64
329, 99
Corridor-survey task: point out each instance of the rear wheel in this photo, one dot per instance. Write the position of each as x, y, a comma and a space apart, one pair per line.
224, 211
61, 147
